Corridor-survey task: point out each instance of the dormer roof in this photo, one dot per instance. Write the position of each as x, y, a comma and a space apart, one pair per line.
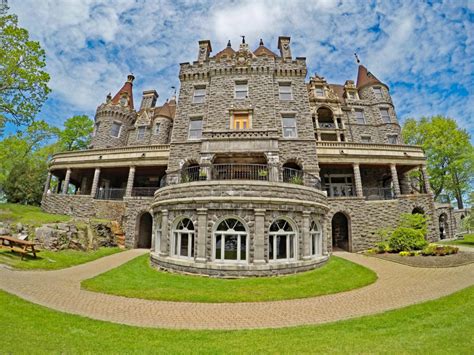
126, 91
167, 110
227, 52
264, 51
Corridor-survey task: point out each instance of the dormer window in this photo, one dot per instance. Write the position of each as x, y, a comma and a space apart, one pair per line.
124, 100
378, 92
285, 91
319, 91
199, 94
141, 133
241, 90
352, 95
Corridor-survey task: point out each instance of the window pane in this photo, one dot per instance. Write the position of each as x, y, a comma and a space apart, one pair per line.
199, 95
141, 133
184, 244
270, 247
230, 250
319, 91
243, 247
281, 246
289, 133
115, 130
218, 246
195, 129
192, 244
313, 245
292, 246
176, 243
157, 128
241, 90
285, 92
378, 92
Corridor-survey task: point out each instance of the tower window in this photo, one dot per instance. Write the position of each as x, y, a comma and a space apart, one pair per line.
289, 126
195, 128
241, 90
366, 139
392, 139
96, 129
360, 117
199, 94
157, 128
141, 133
285, 91
241, 121
385, 115
378, 92
319, 91
116, 129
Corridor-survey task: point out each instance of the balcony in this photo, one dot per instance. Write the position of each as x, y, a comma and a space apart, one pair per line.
327, 125
109, 194
378, 193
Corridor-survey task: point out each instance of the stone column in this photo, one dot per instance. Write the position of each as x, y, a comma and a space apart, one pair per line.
48, 183
201, 235
357, 180
130, 180
405, 188
66, 181
259, 237
306, 236
164, 234
426, 180
396, 184
95, 182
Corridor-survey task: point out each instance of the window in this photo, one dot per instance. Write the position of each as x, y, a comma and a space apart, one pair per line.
230, 241
339, 185
157, 128
96, 129
316, 239
241, 121
360, 117
392, 139
199, 94
385, 115
351, 95
241, 90
289, 126
285, 91
319, 91
141, 133
365, 139
282, 241
115, 129
183, 243
378, 92
195, 128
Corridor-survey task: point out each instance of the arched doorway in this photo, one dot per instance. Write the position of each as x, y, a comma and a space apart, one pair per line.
145, 224
418, 210
443, 226
340, 231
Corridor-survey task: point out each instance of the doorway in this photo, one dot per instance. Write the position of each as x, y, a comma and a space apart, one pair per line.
340, 231
145, 224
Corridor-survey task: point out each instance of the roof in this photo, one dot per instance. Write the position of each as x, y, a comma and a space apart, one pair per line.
262, 50
167, 110
365, 78
228, 51
126, 89
338, 89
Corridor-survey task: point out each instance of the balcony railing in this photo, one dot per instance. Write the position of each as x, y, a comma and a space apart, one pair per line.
327, 125
378, 193
239, 172
110, 194
340, 190
191, 174
144, 191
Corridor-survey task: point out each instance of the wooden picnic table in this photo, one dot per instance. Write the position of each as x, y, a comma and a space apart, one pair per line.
20, 246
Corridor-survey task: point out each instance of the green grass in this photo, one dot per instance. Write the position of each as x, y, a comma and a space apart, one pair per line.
436, 327
51, 260
468, 241
31, 215
137, 279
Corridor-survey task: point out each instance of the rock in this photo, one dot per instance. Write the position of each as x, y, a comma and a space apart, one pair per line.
19, 227
4, 231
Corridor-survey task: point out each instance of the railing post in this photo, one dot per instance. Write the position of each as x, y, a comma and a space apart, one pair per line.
130, 180
66, 181
357, 180
396, 184
48, 183
95, 182
259, 237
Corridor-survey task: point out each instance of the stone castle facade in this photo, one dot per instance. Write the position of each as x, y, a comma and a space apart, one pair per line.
253, 171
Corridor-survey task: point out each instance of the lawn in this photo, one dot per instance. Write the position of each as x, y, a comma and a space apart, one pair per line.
31, 215
468, 241
435, 327
137, 279
51, 260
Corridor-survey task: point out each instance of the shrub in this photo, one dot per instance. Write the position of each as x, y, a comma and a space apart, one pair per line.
382, 247
406, 239
439, 250
404, 253
414, 221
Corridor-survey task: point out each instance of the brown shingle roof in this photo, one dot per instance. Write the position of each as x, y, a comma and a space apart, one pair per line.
365, 78
167, 110
228, 51
126, 88
262, 50
338, 89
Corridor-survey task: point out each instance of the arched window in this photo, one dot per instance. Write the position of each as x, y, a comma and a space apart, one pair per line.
282, 241
230, 241
183, 234
316, 238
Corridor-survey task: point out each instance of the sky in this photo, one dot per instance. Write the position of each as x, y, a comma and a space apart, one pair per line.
424, 51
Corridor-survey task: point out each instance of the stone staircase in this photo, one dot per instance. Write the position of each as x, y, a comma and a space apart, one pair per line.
119, 234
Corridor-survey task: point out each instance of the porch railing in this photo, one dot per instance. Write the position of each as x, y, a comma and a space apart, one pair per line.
239, 172
378, 193
110, 194
190, 174
144, 191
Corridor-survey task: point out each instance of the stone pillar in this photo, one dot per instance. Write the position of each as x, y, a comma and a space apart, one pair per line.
130, 180
259, 237
201, 235
396, 184
405, 187
306, 236
357, 180
66, 181
164, 234
48, 183
95, 182
426, 180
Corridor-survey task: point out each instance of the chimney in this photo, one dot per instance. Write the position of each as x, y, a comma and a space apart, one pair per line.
148, 99
204, 50
284, 47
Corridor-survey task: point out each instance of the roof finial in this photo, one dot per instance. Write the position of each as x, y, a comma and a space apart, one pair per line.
130, 78
357, 58
243, 39
174, 90
228, 44
261, 42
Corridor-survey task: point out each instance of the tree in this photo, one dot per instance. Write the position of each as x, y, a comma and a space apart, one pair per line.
449, 151
76, 133
23, 82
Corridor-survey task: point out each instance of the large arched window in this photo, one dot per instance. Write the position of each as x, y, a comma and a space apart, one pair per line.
183, 235
282, 241
230, 241
316, 238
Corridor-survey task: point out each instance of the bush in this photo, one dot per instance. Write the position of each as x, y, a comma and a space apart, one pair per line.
439, 250
404, 253
414, 221
406, 239
382, 247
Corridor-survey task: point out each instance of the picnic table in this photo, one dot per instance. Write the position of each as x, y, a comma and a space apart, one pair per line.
18, 245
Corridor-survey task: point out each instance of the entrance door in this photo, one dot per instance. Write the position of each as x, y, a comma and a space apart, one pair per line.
340, 231
144, 231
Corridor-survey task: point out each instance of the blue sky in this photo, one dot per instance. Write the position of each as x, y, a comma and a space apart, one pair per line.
423, 50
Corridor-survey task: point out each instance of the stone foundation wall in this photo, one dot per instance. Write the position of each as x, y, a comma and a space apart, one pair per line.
135, 207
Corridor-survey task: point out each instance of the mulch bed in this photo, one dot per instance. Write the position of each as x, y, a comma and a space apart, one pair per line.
461, 258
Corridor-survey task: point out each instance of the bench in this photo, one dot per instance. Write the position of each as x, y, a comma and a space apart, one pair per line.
18, 245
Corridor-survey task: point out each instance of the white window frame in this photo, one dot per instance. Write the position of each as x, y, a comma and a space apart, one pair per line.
157, 128
199, 94
119, 131
315, 239
291, 238
365, 137
285, 88
317, 90
142, 137
285, 127
394, 136
378, 93
357, 118
193, 119
385, 118
240, 88
230, 233
177, 234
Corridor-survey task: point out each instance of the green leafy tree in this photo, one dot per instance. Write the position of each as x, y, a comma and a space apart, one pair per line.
449, 151
76, 133
23, 82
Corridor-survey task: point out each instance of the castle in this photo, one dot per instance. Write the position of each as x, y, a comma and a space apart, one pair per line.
253, 171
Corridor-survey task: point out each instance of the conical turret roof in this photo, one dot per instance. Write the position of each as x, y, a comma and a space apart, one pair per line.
126, 91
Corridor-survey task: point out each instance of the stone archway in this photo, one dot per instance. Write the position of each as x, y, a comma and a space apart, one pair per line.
340, 231
145, 227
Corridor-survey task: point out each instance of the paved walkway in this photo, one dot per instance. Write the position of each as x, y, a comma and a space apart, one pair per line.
397, 286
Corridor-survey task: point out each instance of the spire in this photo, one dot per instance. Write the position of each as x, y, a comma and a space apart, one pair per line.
124, 96
364, 77
243, 39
